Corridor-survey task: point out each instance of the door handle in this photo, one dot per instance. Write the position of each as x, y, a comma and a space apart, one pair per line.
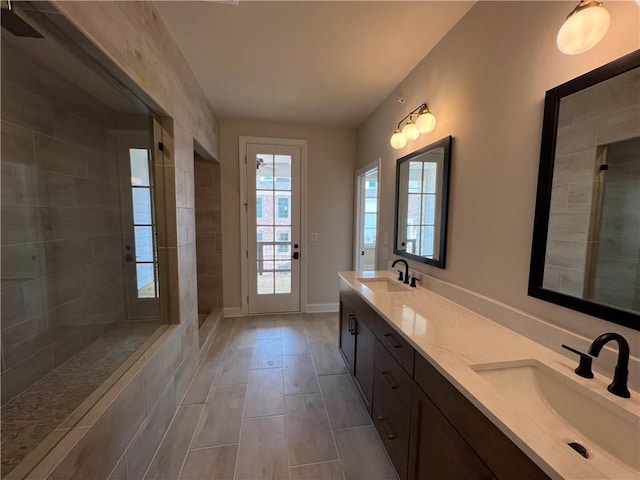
362, 253
391, 340
296, 255
386, 427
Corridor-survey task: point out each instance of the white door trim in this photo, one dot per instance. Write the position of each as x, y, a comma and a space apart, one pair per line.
243, 141
356, 211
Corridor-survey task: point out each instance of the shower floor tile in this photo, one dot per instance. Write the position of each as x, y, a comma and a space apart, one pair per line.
29, 418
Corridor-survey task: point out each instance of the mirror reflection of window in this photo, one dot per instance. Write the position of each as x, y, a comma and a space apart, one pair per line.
421, 203
421, 208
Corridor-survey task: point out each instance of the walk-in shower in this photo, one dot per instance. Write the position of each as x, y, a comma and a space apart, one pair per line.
79, 270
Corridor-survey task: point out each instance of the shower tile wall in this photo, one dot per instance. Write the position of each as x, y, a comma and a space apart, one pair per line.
62, 276
605, 113
208, 235
617, 271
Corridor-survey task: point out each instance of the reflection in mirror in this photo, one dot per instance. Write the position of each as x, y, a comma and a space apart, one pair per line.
589, 259
422, 180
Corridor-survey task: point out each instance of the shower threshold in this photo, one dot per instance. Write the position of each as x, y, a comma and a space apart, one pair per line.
37, 419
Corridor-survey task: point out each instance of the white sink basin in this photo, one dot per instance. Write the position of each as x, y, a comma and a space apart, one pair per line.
383, 285
572, 413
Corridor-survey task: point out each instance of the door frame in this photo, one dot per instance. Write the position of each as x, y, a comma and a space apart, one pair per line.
243, 141
357, 206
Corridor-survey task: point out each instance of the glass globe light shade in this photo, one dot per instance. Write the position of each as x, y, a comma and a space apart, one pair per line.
410, 131
426, 122
583, 28
397, 140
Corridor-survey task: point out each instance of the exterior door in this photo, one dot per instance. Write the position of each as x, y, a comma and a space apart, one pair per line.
139, 226
366, 219
273, 215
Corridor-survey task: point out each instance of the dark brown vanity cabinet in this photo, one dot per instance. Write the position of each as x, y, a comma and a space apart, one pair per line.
429, 428
391, 415
437, 449
357, 342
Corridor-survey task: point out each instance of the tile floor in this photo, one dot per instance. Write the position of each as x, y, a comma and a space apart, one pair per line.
41, 408
272, 399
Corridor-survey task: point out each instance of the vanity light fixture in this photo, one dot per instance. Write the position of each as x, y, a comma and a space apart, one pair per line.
425, 122
584, 27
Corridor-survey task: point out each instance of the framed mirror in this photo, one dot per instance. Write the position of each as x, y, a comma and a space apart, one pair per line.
422, 193
586, 240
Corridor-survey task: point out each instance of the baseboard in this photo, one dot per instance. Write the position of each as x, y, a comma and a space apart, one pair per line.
232, 312
321, 307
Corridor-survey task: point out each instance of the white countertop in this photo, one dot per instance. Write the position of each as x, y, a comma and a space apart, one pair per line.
452, 338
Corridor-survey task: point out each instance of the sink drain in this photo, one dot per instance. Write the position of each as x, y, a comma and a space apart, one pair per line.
579, 448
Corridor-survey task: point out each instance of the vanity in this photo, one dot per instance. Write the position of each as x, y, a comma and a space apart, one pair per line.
455, 395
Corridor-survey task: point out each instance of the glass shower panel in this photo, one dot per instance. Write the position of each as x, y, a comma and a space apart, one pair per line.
67, 210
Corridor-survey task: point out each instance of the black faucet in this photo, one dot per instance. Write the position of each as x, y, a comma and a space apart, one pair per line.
619, 385
406, 270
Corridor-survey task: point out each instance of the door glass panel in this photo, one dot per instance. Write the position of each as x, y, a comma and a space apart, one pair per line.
146, 279
283, 281
273, 220
141, 206
265, 278
144, 244
264, 175
143, 224
139, 167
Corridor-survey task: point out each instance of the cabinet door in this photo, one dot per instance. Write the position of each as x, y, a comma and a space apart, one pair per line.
363, 371
437, 449
347, 335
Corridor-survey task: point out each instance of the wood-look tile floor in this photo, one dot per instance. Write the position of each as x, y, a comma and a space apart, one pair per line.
272, 400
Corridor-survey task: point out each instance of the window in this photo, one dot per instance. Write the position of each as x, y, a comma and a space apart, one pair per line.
259, 212
283, 208
143, 225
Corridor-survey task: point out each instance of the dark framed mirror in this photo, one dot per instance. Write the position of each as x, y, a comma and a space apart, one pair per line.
586, 240
422, 197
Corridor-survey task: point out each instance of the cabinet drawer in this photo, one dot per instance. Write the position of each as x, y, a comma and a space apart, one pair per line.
392, 385
394, 434
401, 350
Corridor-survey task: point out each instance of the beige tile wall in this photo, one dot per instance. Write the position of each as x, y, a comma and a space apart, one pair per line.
605, 113
617, 268
62, 276
134, 39
208, 236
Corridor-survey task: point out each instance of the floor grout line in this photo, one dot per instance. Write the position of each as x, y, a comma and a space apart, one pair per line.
204, 405
244, 407
335, 443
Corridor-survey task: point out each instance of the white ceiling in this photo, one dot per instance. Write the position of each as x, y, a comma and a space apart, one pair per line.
322, 63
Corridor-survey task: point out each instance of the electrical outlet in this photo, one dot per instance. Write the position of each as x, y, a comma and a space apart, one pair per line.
385, 253
385, 238
313, 237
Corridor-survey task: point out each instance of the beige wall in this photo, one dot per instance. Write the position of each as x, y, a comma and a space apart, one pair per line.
329, 212
485, 82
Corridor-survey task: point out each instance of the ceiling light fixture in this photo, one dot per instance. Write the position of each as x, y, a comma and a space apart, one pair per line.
584, 27
425, 122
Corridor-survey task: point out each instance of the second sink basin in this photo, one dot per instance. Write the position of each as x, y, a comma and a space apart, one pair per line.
383, 285
571, 413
